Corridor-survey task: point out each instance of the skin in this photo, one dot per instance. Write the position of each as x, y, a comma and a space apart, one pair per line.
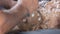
7, 3
9, 18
